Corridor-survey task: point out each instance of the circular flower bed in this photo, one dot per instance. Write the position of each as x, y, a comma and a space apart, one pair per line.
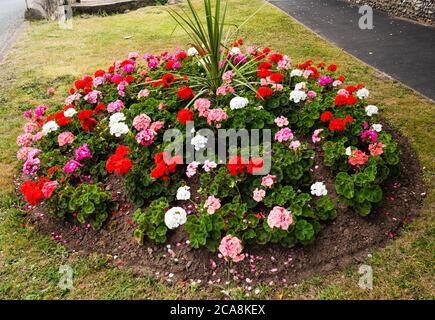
114, 124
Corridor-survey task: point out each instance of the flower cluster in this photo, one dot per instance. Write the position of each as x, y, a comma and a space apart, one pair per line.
114, 119
119, 162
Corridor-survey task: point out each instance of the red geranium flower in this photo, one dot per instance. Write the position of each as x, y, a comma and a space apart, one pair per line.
255, 165
32, 192
79, 84
167, 79
122, 150
265, 65
169, 64
350, 88
263, 73
332, 67
351, 100
99, 73
181, 55
236, 165
129, 78
348, 119
159, 171
84, 114
275, 57
185, 93
61, 119
185, 115
99, 107
326, 116
264, 92
315, 73
276, 77
337, 125
165, 165
340, 100
306, 64
89, 124
119, 162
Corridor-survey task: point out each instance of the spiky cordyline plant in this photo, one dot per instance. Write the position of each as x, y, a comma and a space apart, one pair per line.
210, 40
208, 37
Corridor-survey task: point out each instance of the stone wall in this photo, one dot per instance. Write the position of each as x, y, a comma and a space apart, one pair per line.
418, 10
110, 6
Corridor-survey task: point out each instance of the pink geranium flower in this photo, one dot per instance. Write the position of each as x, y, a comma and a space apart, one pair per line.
71, 166
295, 145
268, 181
48, 188
191, 169
82, 152
212, 204
258, 194
65, 138
376, 149
203, 106
216, 115
281, 121
145, 137
358, 158
115, 106
157, 125
279, 217
284, 134
316, 135
141, 122
231, 248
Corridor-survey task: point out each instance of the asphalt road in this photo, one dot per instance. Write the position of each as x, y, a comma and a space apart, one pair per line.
402, 49
11, 18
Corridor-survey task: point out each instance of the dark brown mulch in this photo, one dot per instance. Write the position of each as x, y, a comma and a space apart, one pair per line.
346, 240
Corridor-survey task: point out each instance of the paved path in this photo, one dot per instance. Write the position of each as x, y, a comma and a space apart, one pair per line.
400, 48
11, 18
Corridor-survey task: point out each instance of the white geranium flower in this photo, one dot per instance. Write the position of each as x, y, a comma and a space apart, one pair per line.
362, 93
192, 52
296, 73
183, 193
319, 189
371, 110
69, 113
116, 117
377, 127
301, 86
235, 51
238, 103
199, 142
175, 217
348, 151
50, 126
118, 129
297, 96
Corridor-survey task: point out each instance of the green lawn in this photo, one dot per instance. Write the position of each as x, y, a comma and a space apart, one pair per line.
48, 56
